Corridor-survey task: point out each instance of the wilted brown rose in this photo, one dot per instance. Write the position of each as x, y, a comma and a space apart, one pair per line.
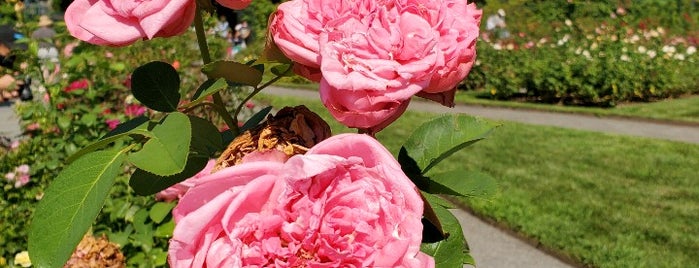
291, 131
96, 252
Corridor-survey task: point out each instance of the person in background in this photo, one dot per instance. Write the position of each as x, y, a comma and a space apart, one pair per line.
222, 27
496, 24
45, 34
47, 50
242, 34
9, 85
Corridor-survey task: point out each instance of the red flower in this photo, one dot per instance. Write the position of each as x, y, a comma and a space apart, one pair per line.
75, 85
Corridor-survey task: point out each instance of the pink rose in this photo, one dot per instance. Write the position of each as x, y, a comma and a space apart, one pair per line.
76, 85
235, 4
178, 190
458, 25
374, 56
134, 110
123, 22
112, 123
345, 203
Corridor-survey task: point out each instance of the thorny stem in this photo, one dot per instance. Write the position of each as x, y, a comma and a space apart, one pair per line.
219, 106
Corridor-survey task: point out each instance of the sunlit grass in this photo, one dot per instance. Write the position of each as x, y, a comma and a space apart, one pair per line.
604, 200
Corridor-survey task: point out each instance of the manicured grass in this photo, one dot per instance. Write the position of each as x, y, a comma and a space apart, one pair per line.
681, 110
604, 200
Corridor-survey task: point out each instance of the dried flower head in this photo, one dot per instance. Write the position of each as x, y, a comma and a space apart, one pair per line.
96, 252
291, 131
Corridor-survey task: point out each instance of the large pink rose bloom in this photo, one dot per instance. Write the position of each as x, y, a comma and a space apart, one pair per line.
373, 56
345, 203
123, 22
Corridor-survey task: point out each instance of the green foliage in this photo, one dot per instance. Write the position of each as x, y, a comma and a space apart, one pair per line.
431, 143
156, 85
168, 143
585, 57
72, 203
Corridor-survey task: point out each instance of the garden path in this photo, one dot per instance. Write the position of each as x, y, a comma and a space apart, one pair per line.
650, 129
9, 123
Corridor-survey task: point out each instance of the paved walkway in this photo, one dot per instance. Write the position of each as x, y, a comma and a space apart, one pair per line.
490, 246
659, 130
9, 123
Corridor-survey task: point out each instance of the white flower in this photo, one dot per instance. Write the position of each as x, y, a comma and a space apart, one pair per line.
497, 46
568, 23
593, 46
22, 259
660, 30
691, 50
679, 56
587, 54
669, 49
510, 46
635, 38
652, 53
642, 49
625, 58
578, 51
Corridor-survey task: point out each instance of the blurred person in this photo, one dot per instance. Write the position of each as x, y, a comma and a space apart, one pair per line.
222, 27
496, 24
10, 86
44, 35
242, 34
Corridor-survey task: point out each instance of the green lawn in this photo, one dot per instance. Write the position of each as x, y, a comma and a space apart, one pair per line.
604, 200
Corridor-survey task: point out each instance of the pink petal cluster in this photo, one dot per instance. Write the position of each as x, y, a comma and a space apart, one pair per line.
178, 190
20, 176
77, 84
112, 123
235, 4
371, 57
123, 22
345, 203
134, 110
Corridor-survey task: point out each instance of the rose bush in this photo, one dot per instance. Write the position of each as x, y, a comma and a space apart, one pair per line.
344, 203
371, 58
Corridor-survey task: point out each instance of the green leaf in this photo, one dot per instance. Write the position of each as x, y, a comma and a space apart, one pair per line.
88, 119
463, 183
64, 122
146, 183
282, 70
208, 88
121, 238
206, 140
165, 153
157, 85
165, 230
137, 125
452, 251
234, 72
160, 210
256, 119
70, 205
439, 138
129, 126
